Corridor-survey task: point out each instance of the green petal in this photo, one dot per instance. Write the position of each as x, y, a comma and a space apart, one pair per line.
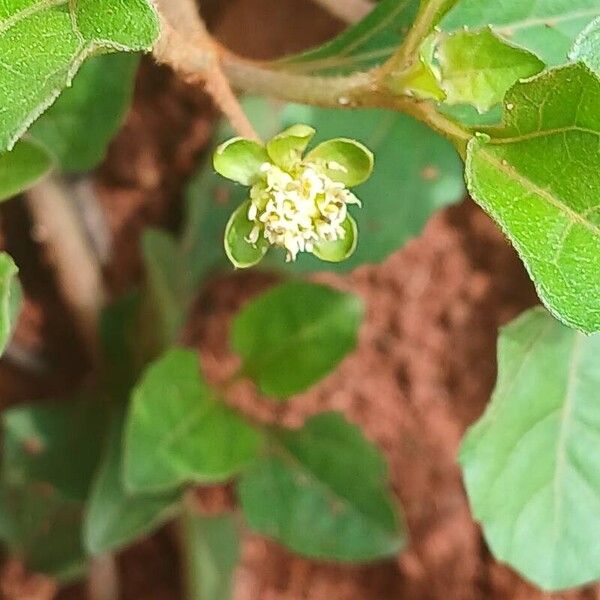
340, 249
353, 160
240, 159
286, 148
240, 252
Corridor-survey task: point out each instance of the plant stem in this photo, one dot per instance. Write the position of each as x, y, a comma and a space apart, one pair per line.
78, 271
349, 11
103, 580
251, 77
426, 113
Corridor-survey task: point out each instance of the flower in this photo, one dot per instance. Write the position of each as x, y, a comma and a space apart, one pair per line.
296, 203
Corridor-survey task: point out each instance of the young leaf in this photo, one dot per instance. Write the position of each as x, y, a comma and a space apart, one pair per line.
322, 492
293, 335
212, 553
545, 28
531, 465
477, 67
10, 298
82, 122
539, 177
23, 166
43, 44
364, 45
178, 432
114, 518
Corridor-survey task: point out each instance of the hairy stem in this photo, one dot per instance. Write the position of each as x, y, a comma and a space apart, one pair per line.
187, 47
254, 78
349, 11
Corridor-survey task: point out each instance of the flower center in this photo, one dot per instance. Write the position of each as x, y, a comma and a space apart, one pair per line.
296, 211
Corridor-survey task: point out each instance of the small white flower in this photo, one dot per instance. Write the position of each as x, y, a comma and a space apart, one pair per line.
296, 211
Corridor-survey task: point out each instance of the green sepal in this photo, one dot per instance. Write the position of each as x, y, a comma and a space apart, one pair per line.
240, 160
344, 160
239, 250
340, 249
286, 148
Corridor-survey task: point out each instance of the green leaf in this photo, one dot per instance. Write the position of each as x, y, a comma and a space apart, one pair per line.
293, 335
477, 67
340, 249
119, 337
344, 160
85, 118
239, 250
587, 46
531, 464
57, 444
178, 432
11, 297
114, 518
43, 528
212, 553
322, 492
167, 291
539, 178
50, 452
286, 148
44, 42
547, 28
240, 160
22, 167
363, 46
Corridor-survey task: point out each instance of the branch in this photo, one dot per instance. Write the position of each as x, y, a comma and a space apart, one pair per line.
187, 47
351, 91
349, 11
196, 54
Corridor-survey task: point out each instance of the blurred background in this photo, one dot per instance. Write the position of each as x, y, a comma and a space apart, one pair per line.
422, 374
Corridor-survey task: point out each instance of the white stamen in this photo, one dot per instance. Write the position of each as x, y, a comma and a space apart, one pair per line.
297, 212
